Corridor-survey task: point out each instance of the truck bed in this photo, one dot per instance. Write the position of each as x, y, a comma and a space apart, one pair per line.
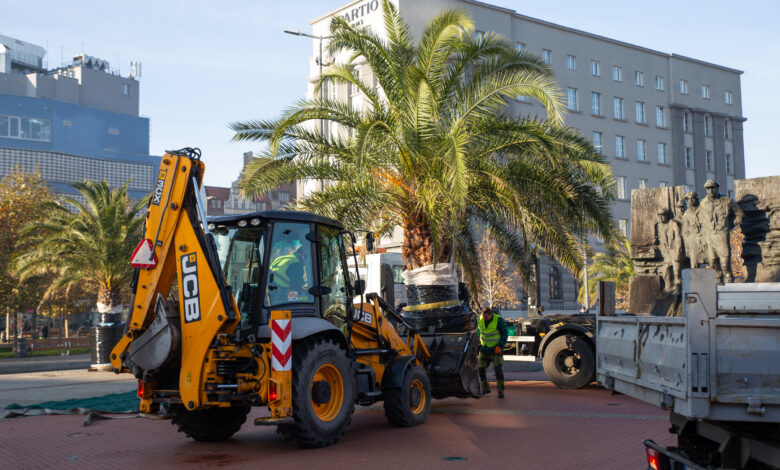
720, 361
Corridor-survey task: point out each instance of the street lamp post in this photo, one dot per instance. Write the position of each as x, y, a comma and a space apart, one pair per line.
320, 63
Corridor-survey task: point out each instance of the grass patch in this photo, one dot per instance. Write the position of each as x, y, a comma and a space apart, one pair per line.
49, 352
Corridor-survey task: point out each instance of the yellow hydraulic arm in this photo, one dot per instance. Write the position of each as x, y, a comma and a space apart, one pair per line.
177, 242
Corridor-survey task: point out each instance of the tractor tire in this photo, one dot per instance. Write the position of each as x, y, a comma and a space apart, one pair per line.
409, 405
387, 284
569, 362
323, 393
211, 424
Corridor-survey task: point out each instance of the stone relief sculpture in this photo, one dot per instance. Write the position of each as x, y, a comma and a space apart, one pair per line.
691, 230
716, 217
668, 235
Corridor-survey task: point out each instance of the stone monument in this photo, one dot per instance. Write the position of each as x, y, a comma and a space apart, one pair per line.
718, 216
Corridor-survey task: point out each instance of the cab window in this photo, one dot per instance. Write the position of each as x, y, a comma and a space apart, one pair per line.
290, 269
241, 252
334, 305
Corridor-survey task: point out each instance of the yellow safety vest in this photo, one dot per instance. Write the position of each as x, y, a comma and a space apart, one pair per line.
488, 334
280, 266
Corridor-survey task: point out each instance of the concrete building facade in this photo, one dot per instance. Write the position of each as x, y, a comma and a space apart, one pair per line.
72, 123
660, 119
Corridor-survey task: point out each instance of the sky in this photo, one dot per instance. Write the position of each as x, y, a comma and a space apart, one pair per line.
207, 63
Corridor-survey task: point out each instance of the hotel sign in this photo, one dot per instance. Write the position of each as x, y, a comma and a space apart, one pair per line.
354, 16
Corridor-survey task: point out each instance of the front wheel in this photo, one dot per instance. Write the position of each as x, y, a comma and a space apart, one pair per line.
409, 405
323, 393
569, 362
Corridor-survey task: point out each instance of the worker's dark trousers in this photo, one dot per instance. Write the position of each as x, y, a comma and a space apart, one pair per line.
499, 370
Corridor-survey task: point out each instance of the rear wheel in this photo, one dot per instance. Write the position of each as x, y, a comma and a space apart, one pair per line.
209, 425
323, 393
569, 362
409, 405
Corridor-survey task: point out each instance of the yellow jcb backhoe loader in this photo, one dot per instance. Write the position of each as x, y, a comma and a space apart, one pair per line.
256, 310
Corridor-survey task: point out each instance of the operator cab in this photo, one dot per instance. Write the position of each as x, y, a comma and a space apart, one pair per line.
283, 260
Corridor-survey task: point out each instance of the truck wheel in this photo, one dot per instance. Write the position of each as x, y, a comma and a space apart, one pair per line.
211, 424
569, 362
323, 393
409, 405
387, 284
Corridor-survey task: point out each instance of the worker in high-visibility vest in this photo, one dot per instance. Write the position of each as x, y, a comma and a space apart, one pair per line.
493, 334
288, 272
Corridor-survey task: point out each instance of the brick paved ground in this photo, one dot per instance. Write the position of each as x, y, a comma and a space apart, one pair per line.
536, 427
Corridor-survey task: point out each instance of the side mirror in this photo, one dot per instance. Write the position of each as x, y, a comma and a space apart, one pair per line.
319, 291
370, 242
360, 286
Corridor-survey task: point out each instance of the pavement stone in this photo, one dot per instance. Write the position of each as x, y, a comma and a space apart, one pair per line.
17, 365
536, 427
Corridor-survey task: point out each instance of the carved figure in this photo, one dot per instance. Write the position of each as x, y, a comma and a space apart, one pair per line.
555, 289
668, 235
691, 231
716, 212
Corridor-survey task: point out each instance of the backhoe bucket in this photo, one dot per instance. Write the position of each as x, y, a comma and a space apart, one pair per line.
454, 364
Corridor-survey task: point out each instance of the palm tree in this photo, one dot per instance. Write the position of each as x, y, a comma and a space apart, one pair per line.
88, 242
434, 150
614, 265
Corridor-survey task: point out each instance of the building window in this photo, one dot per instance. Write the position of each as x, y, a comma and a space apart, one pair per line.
547, 56
519, 46
727, 129
641, 150
623, 225
660, 117
687, 122
617, 73
662, 153
284, 196
620, 151
659, 83
688, 157
728, 97
689, 188
705, 92
642, 183
730, 194
640, 112
729, 164
621, 187
618, 105
639, 78
684, 87
707, 125
126, 90
710, 163
573, 100
663, 184
571, 62
595, 103
260, 206
25, 128
595, 68
597, 141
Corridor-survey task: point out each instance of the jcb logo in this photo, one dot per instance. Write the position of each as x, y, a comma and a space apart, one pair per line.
189, 287
158, 187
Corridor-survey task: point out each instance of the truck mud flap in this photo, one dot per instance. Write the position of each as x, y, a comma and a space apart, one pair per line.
454, 364
159, 344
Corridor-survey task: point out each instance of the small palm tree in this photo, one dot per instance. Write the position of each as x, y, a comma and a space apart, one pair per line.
88, 242
433, 149
614, 265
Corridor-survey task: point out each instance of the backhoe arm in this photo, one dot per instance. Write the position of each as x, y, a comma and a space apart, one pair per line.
176, 243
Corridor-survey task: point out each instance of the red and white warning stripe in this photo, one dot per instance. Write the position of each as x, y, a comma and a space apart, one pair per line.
281, 345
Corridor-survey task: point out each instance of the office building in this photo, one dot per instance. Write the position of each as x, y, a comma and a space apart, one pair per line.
660, 119
76, 122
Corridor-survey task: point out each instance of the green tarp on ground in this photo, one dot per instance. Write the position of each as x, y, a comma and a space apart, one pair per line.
112, 403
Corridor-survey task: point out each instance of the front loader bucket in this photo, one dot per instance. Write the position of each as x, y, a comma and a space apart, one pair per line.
454, 364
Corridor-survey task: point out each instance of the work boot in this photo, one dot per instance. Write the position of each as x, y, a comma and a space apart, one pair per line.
485, 388
500, 386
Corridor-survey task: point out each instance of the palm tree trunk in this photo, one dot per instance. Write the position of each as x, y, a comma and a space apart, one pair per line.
109, 305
